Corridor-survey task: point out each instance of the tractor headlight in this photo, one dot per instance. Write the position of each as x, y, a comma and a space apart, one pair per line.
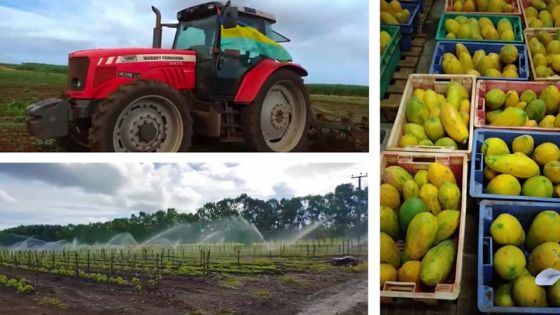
77, 84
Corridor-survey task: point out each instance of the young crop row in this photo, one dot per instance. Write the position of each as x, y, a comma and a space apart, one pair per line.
338, 89
22, 286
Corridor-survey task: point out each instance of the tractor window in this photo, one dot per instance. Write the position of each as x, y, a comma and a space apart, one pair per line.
275, 36
197, 35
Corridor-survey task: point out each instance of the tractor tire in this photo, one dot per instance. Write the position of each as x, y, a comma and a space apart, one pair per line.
280, 117
77, 138
142, 116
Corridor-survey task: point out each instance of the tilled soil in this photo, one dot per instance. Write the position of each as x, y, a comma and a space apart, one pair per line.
260, 294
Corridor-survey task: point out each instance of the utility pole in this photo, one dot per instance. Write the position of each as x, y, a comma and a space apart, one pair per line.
359, 178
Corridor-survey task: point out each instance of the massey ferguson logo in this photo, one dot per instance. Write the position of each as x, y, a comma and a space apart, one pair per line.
152, 58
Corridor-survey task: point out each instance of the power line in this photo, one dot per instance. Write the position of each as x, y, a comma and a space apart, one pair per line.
359, 178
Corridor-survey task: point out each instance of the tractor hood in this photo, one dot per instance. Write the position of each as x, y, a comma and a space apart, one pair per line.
128, 55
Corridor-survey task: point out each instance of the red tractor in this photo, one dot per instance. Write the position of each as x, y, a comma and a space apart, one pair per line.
154, 99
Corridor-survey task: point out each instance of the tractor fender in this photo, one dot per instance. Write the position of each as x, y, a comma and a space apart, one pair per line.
255, 78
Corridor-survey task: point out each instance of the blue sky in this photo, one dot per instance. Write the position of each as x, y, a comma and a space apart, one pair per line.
329, 38
83, 193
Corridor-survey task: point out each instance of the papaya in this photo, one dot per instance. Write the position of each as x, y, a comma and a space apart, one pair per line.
511, 116
502, 295
551, 95
429, 194
410, 189
544, 228
420, 235
492, 115
415, 130
387, 18
495, 99
490, 174
438, 263
390, 196
409, 209
448, 222
421, 178
387, 273
536, 110
524, 144
434, 128
389, 222
552, 171
538, 186
545, 153
543, 256
395, 176
554, 294
526, 293
517, 164
494, 146
506, 230
389, 253
449, 196
439, 174
410, 271
447, 142
509, 262
417, 111
453, 123
504, 184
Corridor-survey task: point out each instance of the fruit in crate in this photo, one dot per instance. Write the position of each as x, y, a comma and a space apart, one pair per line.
544, 48
482, 28
523, 108
427, 226
480, 63
543, 14
442, 117
385, 40
495, 6
393, 13
529, 171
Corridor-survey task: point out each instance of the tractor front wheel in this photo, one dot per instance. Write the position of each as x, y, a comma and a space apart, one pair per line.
142, 116
279, 118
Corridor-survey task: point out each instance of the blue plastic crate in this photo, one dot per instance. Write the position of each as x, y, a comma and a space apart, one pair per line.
411, 27
477, 182
525, 212
444, 47
420, 4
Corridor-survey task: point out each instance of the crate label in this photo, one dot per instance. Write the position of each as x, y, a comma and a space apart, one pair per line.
547, 277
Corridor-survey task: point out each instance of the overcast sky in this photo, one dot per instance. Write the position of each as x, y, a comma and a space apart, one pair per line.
330, 38
83, 193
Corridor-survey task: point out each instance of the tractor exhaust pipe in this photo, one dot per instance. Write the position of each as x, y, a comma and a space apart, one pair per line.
158, 29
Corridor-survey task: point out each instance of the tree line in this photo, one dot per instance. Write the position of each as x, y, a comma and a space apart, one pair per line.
343, 212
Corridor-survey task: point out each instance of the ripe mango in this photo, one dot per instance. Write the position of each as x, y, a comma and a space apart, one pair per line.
526, 293
544, 228
449, 196
389, 222
516, 164
543, 256
389, 253
506, 230
438, 263
448, 222
504, 184
509, 262
420, 235
395, 176
494, 146
439, 174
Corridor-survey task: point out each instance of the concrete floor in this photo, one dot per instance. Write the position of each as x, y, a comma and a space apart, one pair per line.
467, 303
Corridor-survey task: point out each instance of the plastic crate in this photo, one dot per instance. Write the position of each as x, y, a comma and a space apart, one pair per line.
409, 28
450, 288
525, 212
438, 83
477, 182
514, 19
524, 4
391, 56
443, 47
482, 86
529, 33
516, 8
420, 4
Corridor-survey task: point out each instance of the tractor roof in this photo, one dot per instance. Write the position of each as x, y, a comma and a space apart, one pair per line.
208, 7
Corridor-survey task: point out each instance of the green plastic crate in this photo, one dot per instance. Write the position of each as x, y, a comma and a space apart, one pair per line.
390, 57
515, 22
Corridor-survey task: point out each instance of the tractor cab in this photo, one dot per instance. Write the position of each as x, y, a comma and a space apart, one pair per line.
228, 41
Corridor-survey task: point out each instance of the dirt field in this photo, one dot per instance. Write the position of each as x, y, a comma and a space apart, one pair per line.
291, 293
18, 89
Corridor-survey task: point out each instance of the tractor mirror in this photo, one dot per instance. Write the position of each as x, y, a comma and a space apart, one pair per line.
230, 17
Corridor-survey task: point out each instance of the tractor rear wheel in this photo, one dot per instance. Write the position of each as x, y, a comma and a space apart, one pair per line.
77, 138
142, 116
279, 118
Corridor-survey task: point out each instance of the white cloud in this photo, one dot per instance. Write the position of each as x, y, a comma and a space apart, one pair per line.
5, 197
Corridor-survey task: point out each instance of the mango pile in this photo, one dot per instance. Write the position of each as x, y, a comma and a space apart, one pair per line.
510, 108
385, 40
423, 210
482, 64
543, 13
496, 6
393, 13
437, 120
515, 269
529, 169
544, 48
462, 27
